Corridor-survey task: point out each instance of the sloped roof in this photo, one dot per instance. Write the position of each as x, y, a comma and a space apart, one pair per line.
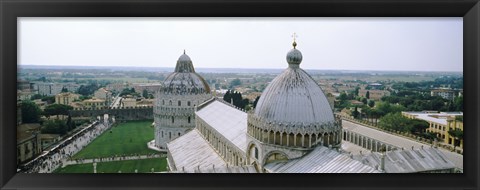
321, 160
410, 161
191, 152
226, 120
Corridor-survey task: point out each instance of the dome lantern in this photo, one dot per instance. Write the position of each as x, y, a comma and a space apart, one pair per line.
294, 56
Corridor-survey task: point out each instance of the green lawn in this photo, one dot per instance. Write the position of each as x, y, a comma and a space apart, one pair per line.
124, 139
126, 166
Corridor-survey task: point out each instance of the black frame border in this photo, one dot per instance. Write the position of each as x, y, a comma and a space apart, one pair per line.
11, 9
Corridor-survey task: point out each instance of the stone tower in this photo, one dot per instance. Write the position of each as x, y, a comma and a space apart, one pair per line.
174, 109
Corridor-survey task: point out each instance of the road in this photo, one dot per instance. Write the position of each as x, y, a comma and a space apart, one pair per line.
116, 102
398, 141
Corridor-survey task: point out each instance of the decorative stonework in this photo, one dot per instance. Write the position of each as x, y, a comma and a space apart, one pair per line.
175, 102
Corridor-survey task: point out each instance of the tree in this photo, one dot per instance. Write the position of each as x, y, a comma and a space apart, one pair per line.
88, 89
384, 108
418, 126
49, 99
256, 101
371, 103
356, 90
55, 127
30, 112
395, 121
355, 112
367, 95
57, 109
64, 89
237, 99
235, 82
36, 96
227, 97
145, 93
458, 101
457, 135
364, 100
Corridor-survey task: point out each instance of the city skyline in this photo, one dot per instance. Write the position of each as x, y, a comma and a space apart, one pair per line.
394, 44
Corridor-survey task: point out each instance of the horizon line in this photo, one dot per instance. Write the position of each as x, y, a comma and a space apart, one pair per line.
235, 68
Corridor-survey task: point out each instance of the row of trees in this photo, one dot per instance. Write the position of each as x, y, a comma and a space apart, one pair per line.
397, 122
237, 99
31, 113
416, 101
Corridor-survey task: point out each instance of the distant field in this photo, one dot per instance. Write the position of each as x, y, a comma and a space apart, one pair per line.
384, 78
125, 139
124, 79
126, 166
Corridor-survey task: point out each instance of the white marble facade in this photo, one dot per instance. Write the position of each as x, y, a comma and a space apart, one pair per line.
175, 102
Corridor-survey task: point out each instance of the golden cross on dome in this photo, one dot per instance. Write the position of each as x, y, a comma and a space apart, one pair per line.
294, 38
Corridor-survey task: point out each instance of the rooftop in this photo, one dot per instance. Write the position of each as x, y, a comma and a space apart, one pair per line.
440, 118
321, 160
226, 120
192, 152
410, 160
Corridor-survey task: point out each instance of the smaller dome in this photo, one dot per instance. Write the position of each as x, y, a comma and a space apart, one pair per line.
294, 56
184, 64
184, 57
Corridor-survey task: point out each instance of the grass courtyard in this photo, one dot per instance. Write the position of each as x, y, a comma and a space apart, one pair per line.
126, 166
124, 139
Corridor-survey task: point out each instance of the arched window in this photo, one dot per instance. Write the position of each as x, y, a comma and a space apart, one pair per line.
179, 103
256, 153
188, 103
188, 119
162, 134
170, 103
163, 102
173, 120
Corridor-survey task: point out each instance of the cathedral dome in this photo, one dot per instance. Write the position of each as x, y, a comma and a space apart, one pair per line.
184, 80
294, 97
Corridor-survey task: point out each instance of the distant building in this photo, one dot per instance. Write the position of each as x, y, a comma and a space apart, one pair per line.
448, 94
24, 95
94, 103
150, 87
117, 87
48, 139
129, 102
19, 112
23, 85
145, 103
66, 98
375, 86
374, 94
356, 103
440, 123
71, 87
28, 142
49, 89
41, 104
103, 94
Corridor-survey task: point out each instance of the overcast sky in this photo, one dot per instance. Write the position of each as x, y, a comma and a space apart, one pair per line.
419, 44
